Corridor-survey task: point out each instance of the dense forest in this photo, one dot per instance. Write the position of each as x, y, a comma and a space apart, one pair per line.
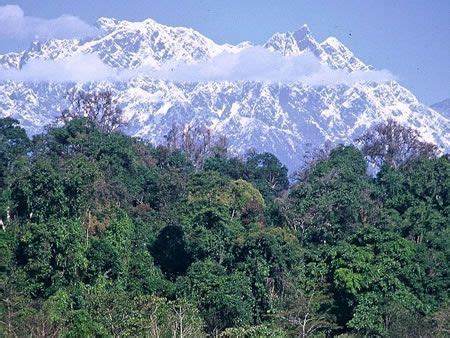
106, 235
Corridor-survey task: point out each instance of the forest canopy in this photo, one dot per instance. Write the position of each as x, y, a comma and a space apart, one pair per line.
103, 234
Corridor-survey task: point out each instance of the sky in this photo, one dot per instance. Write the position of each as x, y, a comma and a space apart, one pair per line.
410, 38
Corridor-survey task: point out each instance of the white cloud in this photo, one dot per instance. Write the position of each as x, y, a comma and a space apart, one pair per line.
77, 68
251, 64
261, 64
14, 24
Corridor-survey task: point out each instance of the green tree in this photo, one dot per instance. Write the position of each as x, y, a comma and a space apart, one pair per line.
334, 200
268, 257
224, 299
52, 255
14, 144
110, 253
370, 275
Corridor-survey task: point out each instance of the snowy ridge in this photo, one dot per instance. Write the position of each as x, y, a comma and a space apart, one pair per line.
442, 107
126, 44
280, 118
331, 51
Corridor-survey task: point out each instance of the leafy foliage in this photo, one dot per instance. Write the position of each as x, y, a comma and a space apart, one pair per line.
105, 235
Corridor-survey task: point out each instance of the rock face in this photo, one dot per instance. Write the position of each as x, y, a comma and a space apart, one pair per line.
275, 117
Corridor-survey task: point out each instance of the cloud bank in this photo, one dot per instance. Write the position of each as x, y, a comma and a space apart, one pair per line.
14, 24
251, 64
77, 68
261, 64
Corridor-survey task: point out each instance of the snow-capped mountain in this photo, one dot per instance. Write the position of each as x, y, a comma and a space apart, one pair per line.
126, 44
277, 117
331, 51
442, 107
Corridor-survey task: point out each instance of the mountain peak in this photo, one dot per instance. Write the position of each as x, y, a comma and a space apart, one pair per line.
107, 23
303, 34
333, 42
150, 21
306, 42
442, 107
303, 30
340, 57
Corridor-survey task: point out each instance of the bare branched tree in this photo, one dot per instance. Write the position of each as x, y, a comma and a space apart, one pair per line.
306, 310
295, 220
99, 107
442, 321
197, 142
394, 144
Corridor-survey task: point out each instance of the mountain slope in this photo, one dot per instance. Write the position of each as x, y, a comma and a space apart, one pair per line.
280, 118
442, 107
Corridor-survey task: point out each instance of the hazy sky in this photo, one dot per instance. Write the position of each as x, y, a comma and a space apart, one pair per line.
409, 38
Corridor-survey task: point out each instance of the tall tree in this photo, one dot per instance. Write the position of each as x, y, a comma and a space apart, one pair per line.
99, 107
393, 144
